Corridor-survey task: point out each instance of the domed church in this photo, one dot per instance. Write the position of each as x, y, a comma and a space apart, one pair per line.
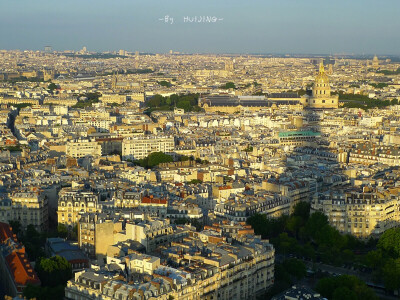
321, 93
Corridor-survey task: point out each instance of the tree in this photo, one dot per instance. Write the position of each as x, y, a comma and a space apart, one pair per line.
186, 158
374, 259
33, 241
16, 227
302, 209
390, 242
295, 267
284, 243
189, 102
52, 86
53, 271
344, 293
165, 83
193, 222
265, 227
194, 181
62, 231
391, 274
249, 148
154, 159
228, 85
88, 100
336, 287
74, 233
308, 251
155, 101
294, 224
44, 293
184, 105
33, 291
315, 223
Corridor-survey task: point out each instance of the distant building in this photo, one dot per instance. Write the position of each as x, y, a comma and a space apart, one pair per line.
235, 104
48, 75
375, 62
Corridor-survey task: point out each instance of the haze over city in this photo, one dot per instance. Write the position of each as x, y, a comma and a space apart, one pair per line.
256, 26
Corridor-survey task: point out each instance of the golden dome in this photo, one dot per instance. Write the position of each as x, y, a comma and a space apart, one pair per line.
321, 77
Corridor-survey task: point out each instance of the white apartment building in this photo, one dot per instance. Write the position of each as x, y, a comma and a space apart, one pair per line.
136, 262
139, 147
101, 125
79, 148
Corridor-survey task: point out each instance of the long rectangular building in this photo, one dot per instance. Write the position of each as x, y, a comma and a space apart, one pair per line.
139, 147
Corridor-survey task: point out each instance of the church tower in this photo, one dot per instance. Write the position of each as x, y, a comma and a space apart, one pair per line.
114, 81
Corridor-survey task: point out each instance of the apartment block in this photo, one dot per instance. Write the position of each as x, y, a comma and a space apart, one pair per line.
73, 202
79, 148
141, 146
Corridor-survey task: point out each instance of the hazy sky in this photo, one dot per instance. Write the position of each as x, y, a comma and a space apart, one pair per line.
248, 26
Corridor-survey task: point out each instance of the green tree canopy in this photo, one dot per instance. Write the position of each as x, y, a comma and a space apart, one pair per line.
295, 267
53, 271
316, 224
391, 274
52, 86
188, 102
336, 287
302, 209
16, 227
228, 85
154, 159
44, 293
390, 242
62, 231
344, 293
165, 83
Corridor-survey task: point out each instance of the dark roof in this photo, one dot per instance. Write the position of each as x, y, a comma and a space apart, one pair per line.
236, 101
283, 95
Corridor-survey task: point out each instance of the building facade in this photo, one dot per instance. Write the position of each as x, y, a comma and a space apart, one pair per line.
72, 203
79, 148
26, 207
141, 146
363, 212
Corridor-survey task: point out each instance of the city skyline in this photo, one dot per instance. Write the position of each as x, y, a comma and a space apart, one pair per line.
202, 150
309, 27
